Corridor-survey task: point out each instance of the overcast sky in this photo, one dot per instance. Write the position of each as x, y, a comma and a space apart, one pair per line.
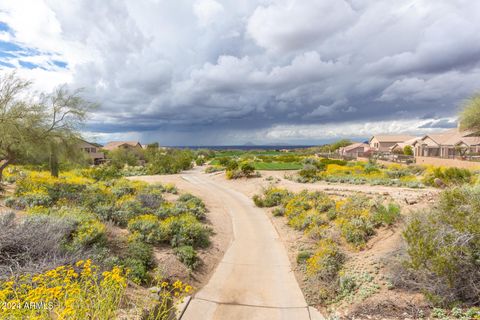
211, 72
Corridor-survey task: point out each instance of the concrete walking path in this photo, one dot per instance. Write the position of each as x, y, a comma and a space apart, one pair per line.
254, 280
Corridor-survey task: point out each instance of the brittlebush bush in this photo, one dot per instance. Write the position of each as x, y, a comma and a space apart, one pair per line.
325, 265
449, 176
443, 247
271, 197
79, 292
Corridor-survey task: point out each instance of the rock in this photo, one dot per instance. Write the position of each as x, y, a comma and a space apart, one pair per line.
410, 201
439, 183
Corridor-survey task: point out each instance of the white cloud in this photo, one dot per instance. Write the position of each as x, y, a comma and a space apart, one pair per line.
207, 11
297, 24
196, 70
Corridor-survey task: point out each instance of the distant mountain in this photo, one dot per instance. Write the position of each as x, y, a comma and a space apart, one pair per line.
249, 143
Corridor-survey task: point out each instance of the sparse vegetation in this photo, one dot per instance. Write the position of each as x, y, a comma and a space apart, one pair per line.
70, 214
443, 249
324, 218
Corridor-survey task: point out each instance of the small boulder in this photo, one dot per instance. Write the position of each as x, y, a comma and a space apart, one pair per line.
439, 183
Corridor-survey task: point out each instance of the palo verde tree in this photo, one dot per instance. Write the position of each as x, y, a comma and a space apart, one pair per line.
64, 113
469, 117
31, 127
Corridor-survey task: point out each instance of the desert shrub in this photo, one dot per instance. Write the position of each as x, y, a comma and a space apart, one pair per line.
247, 169
168, 161
278, 212
148, 228
233, 174
28, 200
35, 244
79, 292
167, 209
188, 256
271, 197
188, 203
211, 169
123, 187
150, 198
138, 258
356, 230
185, 229
91, 232
223, 161
170, 188
443, 247
326, 261
326, 161
355, 219
102, 173
95, 195
125, 210
386, 215
303, 256
371, 168
200, 161
130, 171
449, 176
308, 172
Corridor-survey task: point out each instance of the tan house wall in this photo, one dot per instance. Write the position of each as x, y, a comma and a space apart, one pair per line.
381, 146
448, 162
353, 152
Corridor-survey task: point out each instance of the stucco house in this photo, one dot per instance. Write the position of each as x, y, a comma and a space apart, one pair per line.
354, 150
448, 144
113, 145
400, 146
93, 151
383, 143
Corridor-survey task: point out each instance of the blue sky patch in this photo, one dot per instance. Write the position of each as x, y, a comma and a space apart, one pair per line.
60, 64
5, 27
27, 64
9, 46
6, 64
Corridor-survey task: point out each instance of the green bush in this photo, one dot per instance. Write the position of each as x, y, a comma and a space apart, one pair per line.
148, 229
168, 161
188, 203
408, 150
326, 261
102, 173
188, 256
308, 172
124, 212
186, 230
386, 215
138, 258
326, 161
449, 176
443, 247
247, 169
271, 197
151, 199
303, 256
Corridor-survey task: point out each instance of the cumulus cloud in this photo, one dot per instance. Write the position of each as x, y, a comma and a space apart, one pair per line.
223, 72
207, 11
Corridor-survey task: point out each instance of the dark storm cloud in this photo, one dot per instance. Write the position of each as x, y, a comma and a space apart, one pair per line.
209, 70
